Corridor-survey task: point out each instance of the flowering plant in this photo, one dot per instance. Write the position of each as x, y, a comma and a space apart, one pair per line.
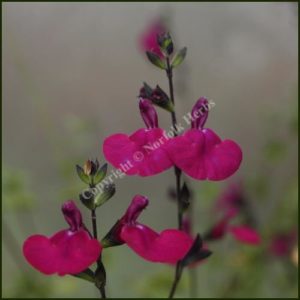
198, 153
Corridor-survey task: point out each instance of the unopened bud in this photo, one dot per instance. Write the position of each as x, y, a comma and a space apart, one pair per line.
165, 43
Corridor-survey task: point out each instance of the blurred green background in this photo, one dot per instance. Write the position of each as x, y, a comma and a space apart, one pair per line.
71, 74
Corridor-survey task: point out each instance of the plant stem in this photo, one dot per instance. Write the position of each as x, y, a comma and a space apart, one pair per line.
99, 261
174, 124
192, 271
177, 171
177, 277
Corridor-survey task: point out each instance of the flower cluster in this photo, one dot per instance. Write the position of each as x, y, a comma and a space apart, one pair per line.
198, 153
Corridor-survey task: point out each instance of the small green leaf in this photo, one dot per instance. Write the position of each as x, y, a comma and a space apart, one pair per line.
87, 199
84, 178
87, 275
179, 57
100, 174
156, 60
112, 238
104, 195
185, 196
148, 90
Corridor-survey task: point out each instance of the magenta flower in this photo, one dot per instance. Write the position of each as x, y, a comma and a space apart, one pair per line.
142, 153
69, 251
282, 244
241, 233
148, 40
169, 246
245, 234
200, 153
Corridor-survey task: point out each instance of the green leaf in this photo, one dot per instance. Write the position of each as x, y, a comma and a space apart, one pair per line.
100, 174
87, 275
112, 238
148, 90
87, 199
104, 195
185, 196
84, 178
156, 60
179, 57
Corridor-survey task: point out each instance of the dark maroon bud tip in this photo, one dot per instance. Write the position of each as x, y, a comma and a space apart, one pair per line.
137, 205
200, 113
148, 113
72, 215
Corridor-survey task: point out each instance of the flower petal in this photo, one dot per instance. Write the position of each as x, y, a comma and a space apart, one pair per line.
245, 234
169, 246
66, 252
41, 254
202, 155
144, 152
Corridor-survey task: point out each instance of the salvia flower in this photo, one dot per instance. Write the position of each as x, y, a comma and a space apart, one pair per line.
142, 153
241, 233
200, 153
69, 251
169, 246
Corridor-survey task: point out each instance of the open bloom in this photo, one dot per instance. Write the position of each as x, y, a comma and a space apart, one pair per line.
241, 233
69, 251
169, 246
200, 153
143, 152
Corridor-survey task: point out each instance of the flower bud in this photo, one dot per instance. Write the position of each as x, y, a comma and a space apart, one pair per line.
200, 113
157, 96
87, 167
165, 43
72, 215
148, 113
161, 99
91, 173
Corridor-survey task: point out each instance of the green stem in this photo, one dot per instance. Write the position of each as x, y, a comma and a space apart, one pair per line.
178, 273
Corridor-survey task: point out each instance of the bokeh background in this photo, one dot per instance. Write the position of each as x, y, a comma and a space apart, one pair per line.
71, 74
